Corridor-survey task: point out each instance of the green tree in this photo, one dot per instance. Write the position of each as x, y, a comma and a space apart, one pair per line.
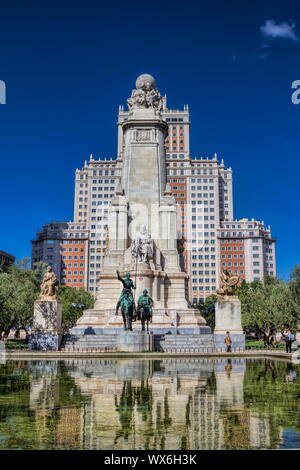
294, 285
20, 287
267, 306
39, 270
207, 310
18, 291
74, 301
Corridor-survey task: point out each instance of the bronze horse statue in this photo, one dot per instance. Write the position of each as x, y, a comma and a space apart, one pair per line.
127, 310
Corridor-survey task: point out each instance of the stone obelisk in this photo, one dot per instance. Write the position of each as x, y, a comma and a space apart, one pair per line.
142, 226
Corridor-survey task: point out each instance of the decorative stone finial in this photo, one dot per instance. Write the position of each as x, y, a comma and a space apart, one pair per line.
146, 95
145, 82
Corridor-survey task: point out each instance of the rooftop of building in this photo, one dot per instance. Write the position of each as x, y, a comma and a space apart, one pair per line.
194, 160
4, 254
56, 230
245, 224
244, 220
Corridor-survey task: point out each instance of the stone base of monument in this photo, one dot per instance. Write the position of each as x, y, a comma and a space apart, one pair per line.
134, 341
228, 318
45, 341
164, 321
170, 329
46, 329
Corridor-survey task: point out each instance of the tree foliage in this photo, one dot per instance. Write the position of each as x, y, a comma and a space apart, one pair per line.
267, 307
20, 287
294, 284
74, 301
207, 310
18, 291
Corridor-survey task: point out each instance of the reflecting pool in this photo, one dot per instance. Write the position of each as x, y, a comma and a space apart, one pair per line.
149, 404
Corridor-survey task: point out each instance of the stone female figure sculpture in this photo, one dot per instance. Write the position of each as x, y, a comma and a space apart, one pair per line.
49, 286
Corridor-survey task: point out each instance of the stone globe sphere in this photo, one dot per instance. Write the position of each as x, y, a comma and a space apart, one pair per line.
145, 81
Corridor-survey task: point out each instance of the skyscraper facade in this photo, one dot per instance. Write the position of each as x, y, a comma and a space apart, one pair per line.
64, 247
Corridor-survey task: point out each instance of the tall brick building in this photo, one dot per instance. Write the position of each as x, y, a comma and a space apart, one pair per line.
64, 246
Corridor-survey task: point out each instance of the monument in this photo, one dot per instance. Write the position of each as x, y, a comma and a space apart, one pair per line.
46, 329
228, 313
142, 229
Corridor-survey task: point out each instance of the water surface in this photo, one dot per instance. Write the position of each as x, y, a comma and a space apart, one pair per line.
149, 404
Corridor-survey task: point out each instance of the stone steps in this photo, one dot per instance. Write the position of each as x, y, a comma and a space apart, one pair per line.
167, 343
89, 342
187, 343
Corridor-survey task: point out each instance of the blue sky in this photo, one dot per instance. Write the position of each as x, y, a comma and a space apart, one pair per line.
68, 65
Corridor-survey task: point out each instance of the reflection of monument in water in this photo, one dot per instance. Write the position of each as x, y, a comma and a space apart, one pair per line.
145, 404
142, 229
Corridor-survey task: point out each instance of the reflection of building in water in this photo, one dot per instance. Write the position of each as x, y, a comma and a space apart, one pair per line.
145, 404
68, 432
144, 407
43, 394
259, 432
168, 404
45, 400
241, 429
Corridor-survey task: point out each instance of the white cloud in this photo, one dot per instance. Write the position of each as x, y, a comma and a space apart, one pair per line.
272, 30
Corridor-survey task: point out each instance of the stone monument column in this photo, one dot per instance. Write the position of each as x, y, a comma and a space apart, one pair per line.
144, 168
142, 229
144, 176
46, 329
228, 314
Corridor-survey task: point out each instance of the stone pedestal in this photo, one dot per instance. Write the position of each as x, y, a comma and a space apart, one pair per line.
46, 330
228, 318
134, 341
164, 321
